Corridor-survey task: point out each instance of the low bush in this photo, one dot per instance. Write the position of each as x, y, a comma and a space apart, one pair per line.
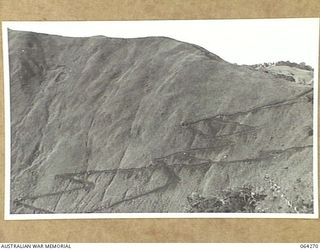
236, 200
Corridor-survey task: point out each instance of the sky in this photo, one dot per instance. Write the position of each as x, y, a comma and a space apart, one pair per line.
241, 41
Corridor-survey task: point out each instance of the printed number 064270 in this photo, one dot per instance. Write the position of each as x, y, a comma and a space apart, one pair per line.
309, 246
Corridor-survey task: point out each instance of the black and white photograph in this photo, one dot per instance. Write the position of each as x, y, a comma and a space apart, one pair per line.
152, 119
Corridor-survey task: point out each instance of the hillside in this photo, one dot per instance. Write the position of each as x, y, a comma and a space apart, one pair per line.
152, 125
299, 73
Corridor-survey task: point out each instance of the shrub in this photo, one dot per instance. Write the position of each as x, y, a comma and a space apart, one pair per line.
236, 200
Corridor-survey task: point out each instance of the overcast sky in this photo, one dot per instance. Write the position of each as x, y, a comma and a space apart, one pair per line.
237, 41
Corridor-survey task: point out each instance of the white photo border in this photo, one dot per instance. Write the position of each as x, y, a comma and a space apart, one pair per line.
8, 216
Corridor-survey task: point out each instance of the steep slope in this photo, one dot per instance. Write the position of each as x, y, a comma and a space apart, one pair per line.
138, 125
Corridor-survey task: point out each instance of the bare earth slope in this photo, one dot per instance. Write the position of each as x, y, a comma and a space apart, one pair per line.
139, 125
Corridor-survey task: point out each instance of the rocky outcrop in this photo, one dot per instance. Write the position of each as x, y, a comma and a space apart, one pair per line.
139, 125
293, 72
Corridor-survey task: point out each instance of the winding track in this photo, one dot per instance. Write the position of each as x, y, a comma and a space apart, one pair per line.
81, 178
